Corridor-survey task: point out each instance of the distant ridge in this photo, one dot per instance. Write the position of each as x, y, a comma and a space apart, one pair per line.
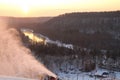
86, 29
26, 19
80, 15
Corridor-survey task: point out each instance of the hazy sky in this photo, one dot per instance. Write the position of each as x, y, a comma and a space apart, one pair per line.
25, 8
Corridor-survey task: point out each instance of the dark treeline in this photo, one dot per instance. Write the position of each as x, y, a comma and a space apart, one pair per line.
91, 29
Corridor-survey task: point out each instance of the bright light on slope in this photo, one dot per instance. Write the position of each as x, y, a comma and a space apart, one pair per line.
34, 38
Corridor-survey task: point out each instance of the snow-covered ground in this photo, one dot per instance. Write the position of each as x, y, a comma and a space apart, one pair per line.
86, 75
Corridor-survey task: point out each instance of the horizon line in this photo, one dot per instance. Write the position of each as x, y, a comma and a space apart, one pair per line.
60, 14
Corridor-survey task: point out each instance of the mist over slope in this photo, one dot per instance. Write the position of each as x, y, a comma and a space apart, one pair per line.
17, 60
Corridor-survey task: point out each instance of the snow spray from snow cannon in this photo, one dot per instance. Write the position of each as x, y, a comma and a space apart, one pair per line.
15, 59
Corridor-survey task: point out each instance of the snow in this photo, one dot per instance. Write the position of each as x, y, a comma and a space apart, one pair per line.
57, 42
79, 76
86, 75
13, 78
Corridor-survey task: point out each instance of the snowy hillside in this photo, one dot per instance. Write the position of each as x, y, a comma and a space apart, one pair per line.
71, 69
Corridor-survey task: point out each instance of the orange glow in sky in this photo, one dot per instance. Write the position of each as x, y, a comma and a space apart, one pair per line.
34, 8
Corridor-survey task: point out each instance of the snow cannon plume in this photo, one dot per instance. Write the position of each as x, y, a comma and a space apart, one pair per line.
17, 60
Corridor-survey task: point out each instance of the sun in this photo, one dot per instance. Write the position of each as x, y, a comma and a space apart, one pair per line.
25, 9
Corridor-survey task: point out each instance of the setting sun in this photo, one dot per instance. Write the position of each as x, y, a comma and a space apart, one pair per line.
25, 9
